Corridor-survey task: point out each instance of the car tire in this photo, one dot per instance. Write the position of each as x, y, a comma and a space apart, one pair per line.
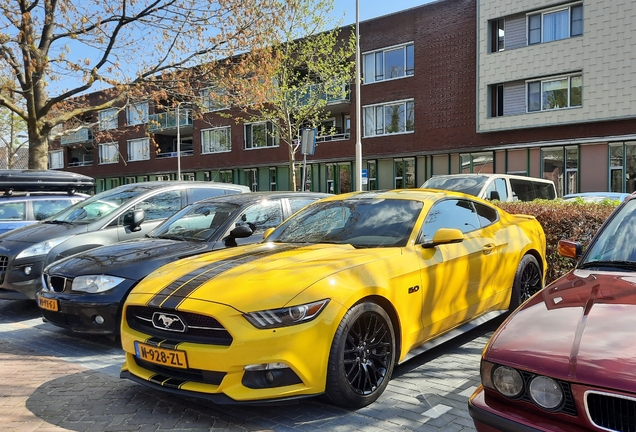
527, 281
362, 356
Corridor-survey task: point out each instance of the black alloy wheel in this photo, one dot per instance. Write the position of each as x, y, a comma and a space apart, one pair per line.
528, 281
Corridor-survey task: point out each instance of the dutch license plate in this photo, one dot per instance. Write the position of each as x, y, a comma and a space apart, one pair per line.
48, 304
162, 356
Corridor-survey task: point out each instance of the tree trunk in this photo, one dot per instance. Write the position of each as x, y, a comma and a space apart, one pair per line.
38, 151
292, 169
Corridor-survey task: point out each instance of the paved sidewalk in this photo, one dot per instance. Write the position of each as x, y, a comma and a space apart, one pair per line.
53, 381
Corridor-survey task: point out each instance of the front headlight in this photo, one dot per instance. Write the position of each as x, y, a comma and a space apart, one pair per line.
95, 284
546, 392
42, 248
286, 316
507, 381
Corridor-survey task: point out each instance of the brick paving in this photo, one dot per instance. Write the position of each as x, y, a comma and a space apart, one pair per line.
51, 380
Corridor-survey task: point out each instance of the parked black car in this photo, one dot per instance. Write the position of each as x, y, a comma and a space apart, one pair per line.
122, 213
85, 292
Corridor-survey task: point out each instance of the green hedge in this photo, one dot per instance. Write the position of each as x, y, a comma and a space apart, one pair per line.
572, 220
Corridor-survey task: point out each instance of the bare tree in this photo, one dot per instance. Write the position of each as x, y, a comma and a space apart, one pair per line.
56, 51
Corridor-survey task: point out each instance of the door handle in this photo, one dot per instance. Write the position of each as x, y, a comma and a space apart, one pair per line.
488, 248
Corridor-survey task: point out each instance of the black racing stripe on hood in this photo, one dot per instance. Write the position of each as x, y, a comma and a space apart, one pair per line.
172, 295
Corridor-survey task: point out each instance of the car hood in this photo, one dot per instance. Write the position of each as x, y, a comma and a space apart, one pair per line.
40, 232
132, 259
255, 277
579, 329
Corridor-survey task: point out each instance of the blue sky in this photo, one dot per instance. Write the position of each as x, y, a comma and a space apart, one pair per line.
372, 8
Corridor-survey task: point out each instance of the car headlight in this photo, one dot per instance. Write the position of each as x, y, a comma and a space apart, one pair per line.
507, 381
286, 316
95, 284
41, 248
546, 392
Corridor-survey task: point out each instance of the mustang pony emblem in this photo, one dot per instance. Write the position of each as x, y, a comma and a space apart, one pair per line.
170, 322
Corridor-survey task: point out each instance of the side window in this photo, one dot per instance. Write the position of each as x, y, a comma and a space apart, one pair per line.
297, 203
452, 213
497, 190
487, 215
162, 205
522, 189
12, 211
544, 190
197, 194
45, 208
261, 216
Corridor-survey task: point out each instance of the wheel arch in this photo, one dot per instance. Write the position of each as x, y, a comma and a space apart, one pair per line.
535, 253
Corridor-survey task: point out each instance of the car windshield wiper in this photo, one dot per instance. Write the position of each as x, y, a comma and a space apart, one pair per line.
57, 222
628, 265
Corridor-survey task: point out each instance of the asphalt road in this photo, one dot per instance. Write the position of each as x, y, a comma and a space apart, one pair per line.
51, 380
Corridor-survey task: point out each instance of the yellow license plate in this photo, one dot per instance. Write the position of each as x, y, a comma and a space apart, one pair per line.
162, 356
48, 304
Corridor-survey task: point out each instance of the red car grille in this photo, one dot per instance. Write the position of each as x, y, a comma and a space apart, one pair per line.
612, 412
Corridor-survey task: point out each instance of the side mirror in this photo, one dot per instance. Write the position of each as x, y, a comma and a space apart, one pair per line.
445, 236
494, 195
241, 231
570, 249
135, 219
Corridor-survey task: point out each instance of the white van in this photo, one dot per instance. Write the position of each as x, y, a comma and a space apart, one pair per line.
502, 187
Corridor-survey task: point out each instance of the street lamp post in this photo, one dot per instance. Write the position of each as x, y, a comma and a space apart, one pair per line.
358, 109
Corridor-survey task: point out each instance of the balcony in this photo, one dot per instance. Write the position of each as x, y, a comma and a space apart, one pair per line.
174, 154
80, 136
167, 121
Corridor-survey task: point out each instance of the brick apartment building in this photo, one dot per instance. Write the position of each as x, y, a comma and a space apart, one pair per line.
538, 88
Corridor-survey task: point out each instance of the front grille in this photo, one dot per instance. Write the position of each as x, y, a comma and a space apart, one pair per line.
196, 375
568, 406
4, 262
56, 283
199, 328
612, 412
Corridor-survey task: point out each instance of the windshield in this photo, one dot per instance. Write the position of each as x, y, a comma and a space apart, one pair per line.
471, 185
197, 222
95, 207
361, 223
617, 240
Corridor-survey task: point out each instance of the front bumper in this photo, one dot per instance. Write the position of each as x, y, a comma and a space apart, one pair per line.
217, 372
87, 313
16, 284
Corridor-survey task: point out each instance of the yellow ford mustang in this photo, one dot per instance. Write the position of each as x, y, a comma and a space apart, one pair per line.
332, 299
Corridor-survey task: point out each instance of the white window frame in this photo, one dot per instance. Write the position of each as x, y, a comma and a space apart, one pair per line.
251, 178
108, 119
376, 129
369, 60
109, 160
270, 140
137, 114
553, 79
208, 104
144, 152
272, 179
207, 135
56, 159
550, 11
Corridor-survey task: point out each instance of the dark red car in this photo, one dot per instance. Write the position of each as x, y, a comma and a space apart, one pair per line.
565, 361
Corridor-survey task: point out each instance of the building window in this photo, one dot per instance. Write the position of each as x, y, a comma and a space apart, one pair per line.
272, 179
623, 167
216, 140
211, 99
497, 35
107, 119
251, 179
561, 165
259, 135
56, 159
483, 163
129, 180
496, 100
556, 24
389, 118
108, 153
139, 149
404, 169
226, 176
555, 93
137, 113
390, 63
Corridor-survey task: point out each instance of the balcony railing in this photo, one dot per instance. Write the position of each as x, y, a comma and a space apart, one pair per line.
174, 154
168, 120
316, 90
79, 136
